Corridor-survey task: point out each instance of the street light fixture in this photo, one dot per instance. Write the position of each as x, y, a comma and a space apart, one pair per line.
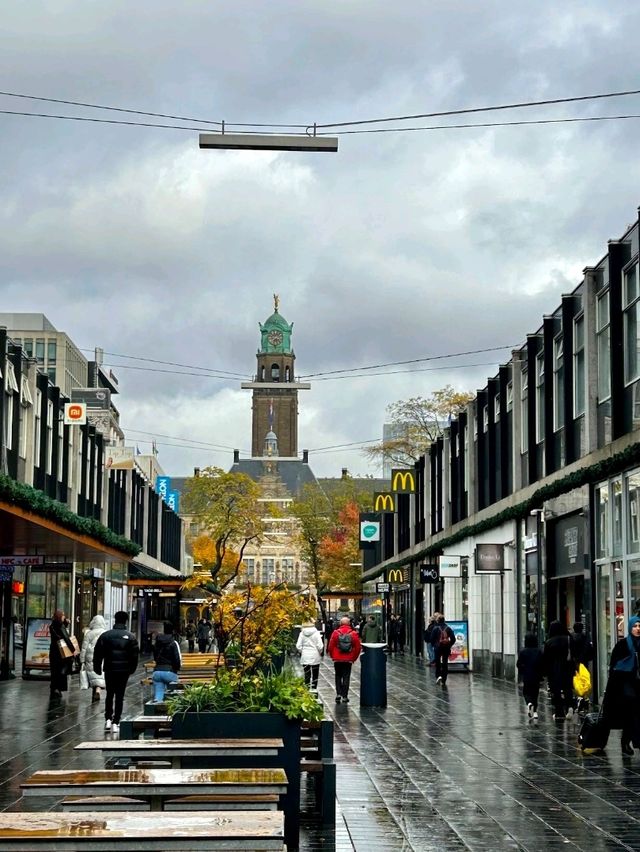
265, 142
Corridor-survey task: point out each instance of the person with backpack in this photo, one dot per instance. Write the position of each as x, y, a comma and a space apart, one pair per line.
344, 649
443, 639
428, 631
559, 668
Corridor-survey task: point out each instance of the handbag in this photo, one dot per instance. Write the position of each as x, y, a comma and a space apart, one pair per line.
65, 650
582, 681
84, 679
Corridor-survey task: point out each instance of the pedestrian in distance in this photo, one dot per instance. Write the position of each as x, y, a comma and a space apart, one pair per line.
531, 671
97, 627
371, 632
559, 669
203, 634
311, 648
583, 653
394, 635
443, 639
328, 630
61, 654
166, 653
621, 705
190, 633
344, 649
427, 634
117, 653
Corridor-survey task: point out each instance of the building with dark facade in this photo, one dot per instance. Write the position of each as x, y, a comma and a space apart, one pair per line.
536, 485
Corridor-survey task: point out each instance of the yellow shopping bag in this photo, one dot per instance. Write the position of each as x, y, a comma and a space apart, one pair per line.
582, 681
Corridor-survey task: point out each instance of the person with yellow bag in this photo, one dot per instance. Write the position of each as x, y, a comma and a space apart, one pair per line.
582, 654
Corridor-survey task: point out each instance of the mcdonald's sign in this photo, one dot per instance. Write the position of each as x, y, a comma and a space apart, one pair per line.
395, 576
403, 481
384, 501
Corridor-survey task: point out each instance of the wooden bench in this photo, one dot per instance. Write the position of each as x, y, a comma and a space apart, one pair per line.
158, 832
155, 785
150, 726
177, 750
316, 752
200, 802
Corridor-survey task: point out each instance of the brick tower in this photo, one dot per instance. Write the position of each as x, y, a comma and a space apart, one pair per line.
275, 390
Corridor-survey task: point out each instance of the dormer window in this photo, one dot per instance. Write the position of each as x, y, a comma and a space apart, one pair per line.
275, 373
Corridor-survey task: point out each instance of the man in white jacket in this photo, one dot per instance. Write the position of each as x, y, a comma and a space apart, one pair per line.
311, 648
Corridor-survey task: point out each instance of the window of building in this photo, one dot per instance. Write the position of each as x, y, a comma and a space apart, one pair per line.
466, 459
287, 374
36, 430
558, 384
25, 392
268, 571
28, 347
633, 512
61, 455
262, 376
250, 567
51, 351
510, 396
485, 418
540, 398
10, 383
49, 436
602, 521
524, 413
496, 408
8, 414
287, 568
40, 350
578, 367
275, 373
22, 445
603, 333
631, 325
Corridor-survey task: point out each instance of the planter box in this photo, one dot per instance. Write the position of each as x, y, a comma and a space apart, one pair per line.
200, 726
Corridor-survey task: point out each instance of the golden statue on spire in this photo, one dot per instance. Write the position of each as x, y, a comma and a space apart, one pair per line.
276, 301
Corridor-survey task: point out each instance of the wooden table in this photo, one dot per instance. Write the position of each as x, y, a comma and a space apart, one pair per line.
176, 750
158, 832
154, 785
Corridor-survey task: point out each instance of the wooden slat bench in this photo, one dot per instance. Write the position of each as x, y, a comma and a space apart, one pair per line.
155, 785
151, 726
176, 750
158, 832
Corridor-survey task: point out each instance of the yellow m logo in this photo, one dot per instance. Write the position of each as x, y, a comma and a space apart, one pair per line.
384, 503
395, 576
403, 481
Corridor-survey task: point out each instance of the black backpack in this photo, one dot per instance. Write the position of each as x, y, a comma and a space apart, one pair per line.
345, 642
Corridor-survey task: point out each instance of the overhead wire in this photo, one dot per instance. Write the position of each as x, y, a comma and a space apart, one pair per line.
169, 363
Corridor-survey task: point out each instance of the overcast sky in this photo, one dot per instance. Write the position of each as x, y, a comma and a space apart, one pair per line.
400, 246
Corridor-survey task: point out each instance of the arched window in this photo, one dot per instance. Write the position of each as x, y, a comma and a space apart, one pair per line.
262, 374
275, 373
287, 374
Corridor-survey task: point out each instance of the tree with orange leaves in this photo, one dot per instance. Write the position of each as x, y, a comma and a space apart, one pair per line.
340, 550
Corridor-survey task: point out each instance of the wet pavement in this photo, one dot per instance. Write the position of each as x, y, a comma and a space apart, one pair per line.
460, 768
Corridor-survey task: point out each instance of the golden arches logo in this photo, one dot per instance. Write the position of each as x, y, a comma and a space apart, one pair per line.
395, 576
403, 481
384, 503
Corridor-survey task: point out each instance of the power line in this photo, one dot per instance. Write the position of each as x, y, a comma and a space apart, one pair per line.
176, 438
468, 110
399, 372
167, 372
411, 361
170, 363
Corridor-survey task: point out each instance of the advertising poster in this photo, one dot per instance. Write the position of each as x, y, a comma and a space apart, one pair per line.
36, 646
460, 651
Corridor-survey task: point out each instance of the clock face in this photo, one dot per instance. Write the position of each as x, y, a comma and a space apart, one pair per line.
275, 338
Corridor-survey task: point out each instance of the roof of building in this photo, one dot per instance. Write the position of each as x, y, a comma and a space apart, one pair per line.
276, 321
362, 483
294, 473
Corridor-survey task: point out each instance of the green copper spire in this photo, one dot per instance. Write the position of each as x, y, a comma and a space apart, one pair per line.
276, 331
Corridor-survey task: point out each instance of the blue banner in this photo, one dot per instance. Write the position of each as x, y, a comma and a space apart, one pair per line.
173, 500
163, 486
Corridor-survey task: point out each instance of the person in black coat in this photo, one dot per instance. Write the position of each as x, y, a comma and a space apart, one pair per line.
443, 639
117, 653
531, 671
621, 706
559, 668
168, 659
59, 664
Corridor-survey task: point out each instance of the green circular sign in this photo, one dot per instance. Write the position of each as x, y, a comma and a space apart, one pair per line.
369, 530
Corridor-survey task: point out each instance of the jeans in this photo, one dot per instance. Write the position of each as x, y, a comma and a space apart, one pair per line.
343, 676
530, 692
116, 683
431, 653
311, 675
160, 680
442, 664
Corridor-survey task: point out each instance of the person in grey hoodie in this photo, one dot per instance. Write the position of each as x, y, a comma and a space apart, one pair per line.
97, 627
311, 648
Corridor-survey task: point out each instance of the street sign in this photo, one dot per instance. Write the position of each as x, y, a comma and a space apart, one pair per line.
370, 531
75, 413
489, 558
429, 573
383, 588
450, 566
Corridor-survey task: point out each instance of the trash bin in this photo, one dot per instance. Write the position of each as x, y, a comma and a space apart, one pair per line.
373, 675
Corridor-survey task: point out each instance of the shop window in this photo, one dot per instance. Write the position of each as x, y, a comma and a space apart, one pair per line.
558, 384
634, 584
631, 326
578, 367
604, 347
633, 513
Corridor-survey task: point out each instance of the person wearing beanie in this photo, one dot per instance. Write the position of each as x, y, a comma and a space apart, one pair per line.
621, 706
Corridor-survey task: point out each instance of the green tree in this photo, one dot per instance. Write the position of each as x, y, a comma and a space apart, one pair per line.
226, 505
417, 423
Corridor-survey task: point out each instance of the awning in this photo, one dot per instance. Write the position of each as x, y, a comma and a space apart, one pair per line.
137, 571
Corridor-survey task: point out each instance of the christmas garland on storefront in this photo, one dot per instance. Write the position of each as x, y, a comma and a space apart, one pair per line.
35, 501
585, 476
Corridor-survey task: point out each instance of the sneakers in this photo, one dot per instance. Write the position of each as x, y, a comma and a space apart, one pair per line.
530, 710
115, 728
535, 714
338, 699
438, 680
107, 724
569, 712
345, 700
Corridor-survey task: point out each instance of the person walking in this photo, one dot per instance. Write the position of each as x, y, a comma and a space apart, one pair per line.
203, 634
371, 632
344, 649
428, 632
311, 649
59, 659
394, 635
582, 653
166, 653
190, 633
559, 669
531, 671
443, 639
621, 705
97, 627
117, 652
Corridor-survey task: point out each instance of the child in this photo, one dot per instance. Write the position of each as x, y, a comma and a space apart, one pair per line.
530, 670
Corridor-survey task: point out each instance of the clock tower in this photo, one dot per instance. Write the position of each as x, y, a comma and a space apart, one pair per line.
275, 389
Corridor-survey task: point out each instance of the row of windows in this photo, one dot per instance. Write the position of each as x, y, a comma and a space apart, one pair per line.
275, 373
40, 342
